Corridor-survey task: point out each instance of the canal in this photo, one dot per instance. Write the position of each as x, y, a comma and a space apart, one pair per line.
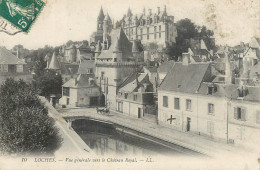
105, 139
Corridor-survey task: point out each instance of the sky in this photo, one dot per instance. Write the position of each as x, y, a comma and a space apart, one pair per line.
62, 20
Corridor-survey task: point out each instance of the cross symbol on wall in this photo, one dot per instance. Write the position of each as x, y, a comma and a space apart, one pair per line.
171, 119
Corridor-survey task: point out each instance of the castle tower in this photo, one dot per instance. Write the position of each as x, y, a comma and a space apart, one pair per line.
135, 51
129, 13
105, 32
113, 65
98, 50
100, 20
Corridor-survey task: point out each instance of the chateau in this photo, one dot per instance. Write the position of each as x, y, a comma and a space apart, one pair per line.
150, 27
147, 27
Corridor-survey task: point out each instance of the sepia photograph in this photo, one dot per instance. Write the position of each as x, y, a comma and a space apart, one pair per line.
130, 84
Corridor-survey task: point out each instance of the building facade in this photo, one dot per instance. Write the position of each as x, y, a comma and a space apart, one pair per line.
135, 95
189, 101
13, 67
150, 27
81, 91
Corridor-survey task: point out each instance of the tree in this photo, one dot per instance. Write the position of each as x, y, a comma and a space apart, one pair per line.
188, 30
49, 83
25, 127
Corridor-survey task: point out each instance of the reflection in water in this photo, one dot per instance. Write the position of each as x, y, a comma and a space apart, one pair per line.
106, 144
107, 139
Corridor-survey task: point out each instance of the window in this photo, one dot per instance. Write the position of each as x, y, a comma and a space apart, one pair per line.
135, 97
102, 75
126, 95
210, 108
160, 35
239, 113
90, 70
188, 104
177, 103
19, 68
81, 99
115, 59
160, 27
66, 91
258, 117
165, 101
212, 89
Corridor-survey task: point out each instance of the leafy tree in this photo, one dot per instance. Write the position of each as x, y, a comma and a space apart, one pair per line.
25, 127
188, 30
49, 83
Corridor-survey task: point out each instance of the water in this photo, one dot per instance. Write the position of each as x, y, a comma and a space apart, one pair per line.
108, 139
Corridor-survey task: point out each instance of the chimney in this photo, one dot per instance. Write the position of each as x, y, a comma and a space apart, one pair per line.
158, 10
144, 11
229, 76
245, 69
185, 59
165, 8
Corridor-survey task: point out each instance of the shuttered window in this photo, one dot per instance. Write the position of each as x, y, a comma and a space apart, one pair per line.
240, 113
165, 101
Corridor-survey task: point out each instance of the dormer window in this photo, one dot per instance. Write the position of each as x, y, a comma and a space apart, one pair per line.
212, 89
242, 91
126, 95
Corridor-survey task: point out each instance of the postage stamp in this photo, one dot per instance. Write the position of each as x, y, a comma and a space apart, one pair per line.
19, 13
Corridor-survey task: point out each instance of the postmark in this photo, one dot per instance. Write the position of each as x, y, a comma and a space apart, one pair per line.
19, 15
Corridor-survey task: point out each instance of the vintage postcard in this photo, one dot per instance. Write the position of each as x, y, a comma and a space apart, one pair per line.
141, 84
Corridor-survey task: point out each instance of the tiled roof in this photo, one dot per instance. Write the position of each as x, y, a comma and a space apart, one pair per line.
124, 43
165, 66
80, 81
185, 78
151, 69
69, 69
131, 84
231, 91
85, 65
54, 63
6, 57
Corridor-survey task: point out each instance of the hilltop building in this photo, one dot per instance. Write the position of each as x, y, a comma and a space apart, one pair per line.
104, 27
150, 27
